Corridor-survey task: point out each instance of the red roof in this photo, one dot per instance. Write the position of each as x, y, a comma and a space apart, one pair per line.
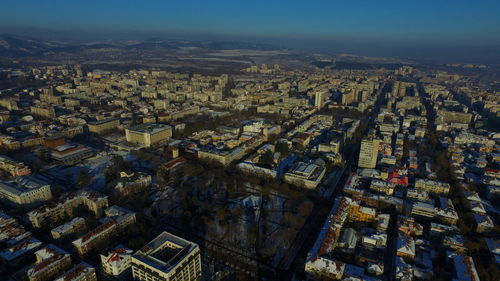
44, 264
395, 178
75, 273
97, 230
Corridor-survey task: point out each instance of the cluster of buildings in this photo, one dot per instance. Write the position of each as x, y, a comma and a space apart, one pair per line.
397, 190
377, 143
17, 241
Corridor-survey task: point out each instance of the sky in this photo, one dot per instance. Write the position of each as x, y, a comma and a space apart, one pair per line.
418, 26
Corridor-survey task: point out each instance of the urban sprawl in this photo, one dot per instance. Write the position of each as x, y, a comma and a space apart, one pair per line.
265, 174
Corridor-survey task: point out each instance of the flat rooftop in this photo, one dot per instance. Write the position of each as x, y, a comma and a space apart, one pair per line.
69, 225
150, 128
165, 251
100, 122
22, 184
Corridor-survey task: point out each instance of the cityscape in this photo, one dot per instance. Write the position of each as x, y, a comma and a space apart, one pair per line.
142, 155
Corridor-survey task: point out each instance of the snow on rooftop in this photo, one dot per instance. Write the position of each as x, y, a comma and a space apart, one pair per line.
79, 272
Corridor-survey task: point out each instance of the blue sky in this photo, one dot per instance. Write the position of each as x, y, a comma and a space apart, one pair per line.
438, 22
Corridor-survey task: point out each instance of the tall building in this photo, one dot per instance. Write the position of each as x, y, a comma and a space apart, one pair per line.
166, 258
319, 99
349, 96
368, 153
148, 134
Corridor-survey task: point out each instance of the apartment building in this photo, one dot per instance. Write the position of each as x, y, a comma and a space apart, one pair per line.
81, 272
67, 204
432, 186
43, 111
15, 168
423, 209
116, 220
74, 226
117, 261
368, 153
50, 262
167, 257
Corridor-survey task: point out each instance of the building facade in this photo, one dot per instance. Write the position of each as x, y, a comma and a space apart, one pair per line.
67, 204
50, 262
25, 191
368, 153
148, 134
103, 126
167, 257
80, 272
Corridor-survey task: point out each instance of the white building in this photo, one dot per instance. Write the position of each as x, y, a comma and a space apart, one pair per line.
167, 257
117, 262
308, 175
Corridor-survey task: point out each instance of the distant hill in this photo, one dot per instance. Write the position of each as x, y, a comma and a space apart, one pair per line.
19, 46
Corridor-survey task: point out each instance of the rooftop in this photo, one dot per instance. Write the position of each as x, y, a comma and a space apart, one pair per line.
91, 235
66, 198
165, 251
69, 225
20, 249
77, 273
22, 184
47, 257
465, 268
150, 128
99, 122
117, 256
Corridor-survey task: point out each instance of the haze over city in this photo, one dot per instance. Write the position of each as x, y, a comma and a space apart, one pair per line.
442, 30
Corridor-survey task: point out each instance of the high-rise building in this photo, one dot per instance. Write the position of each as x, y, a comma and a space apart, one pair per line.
319, 99
368, 153
167, 257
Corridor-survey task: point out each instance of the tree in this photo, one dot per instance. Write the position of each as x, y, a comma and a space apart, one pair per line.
283, 148
121, 164
136, 243
266, 159
226, 92
305, 208
83, 179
